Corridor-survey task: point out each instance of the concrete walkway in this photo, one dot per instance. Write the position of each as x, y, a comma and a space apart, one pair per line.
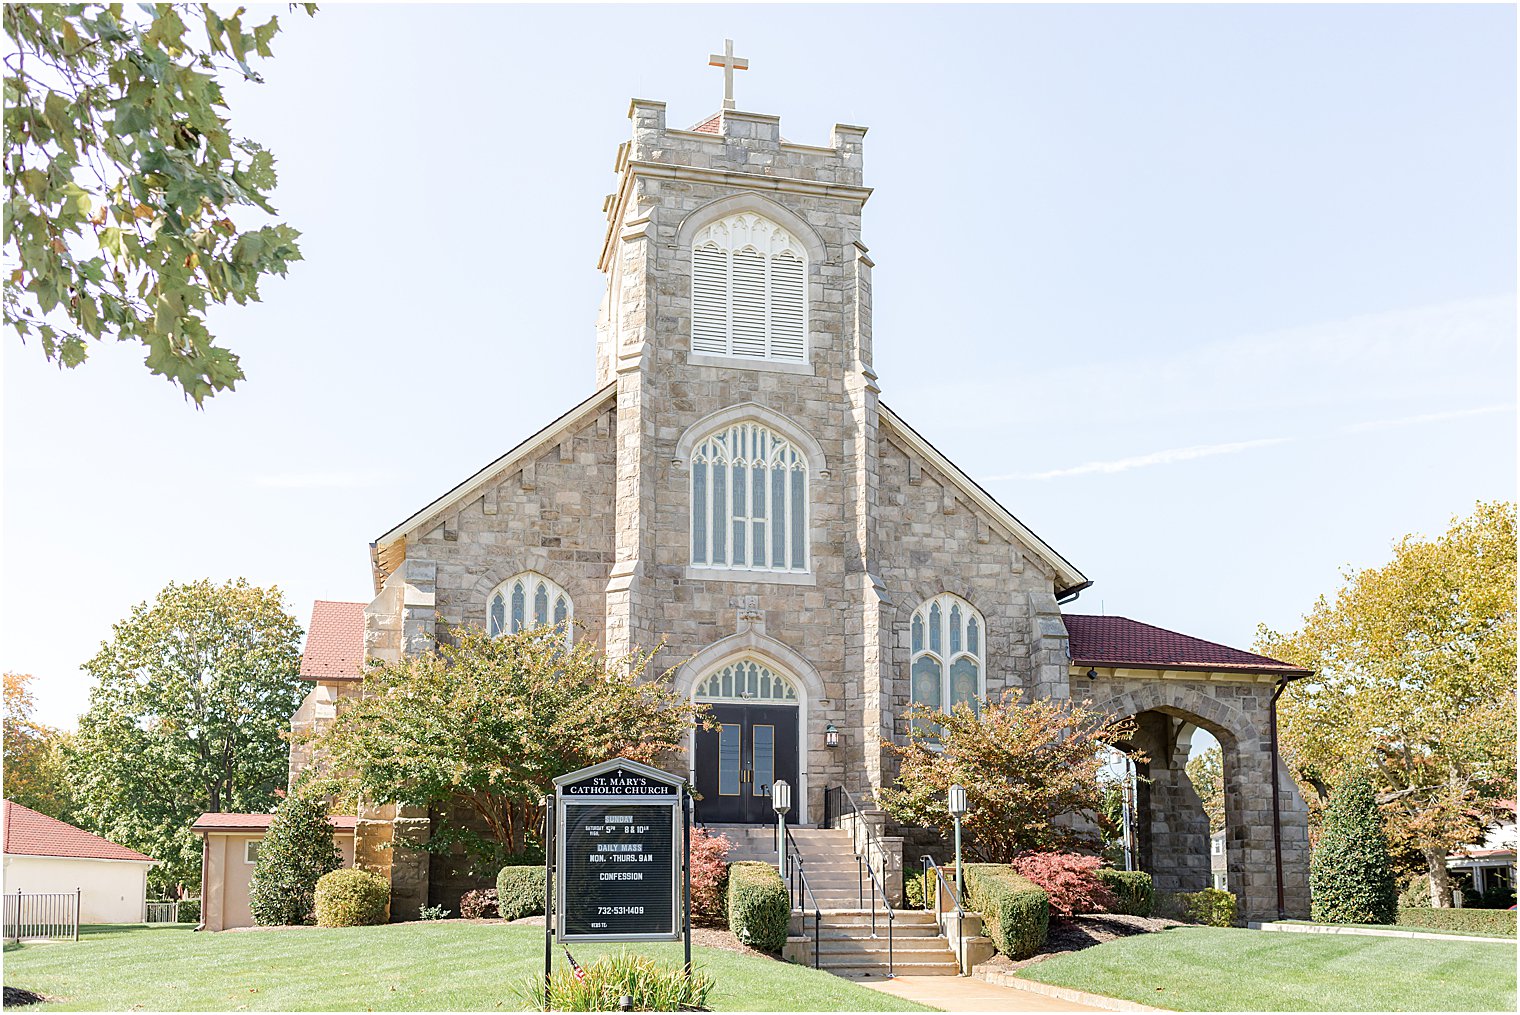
1330, 928
965, 993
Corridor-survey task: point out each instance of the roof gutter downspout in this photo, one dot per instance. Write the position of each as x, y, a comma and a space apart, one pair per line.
1071, 594
1282, 683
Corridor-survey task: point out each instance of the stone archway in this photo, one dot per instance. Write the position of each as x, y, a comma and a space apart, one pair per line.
1173, 828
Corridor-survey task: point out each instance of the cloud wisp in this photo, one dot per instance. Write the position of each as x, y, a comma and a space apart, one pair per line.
1167, 457
1428, 417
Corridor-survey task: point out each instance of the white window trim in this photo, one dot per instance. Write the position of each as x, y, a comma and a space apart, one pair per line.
780, 366
748, 572
250, 844
735, 233
532, 581
945, 657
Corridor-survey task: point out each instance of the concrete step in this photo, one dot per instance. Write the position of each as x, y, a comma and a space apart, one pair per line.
878, 972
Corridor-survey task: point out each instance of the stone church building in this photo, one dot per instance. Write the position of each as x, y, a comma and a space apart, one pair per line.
734, 488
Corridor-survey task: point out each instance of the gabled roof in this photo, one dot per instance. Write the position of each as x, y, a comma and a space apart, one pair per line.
334, 642
473, 486
712, 125
1121, 642
219, 821
1068, 578
28, 833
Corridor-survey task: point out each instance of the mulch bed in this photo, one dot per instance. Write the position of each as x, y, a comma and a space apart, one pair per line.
15, 996
1073, 933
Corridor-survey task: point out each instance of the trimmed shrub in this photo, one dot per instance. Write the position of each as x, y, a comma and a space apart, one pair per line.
1070, 881
478, 904
1132, 891
1489, 921
1416, 893
296, 851
651, 985
1350, 876
913, 889
520, 892
759, 909
189, 911
1212, 907
351, 897
709, 878
1015, 911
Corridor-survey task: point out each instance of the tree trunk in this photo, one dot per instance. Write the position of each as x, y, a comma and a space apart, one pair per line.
1440, 878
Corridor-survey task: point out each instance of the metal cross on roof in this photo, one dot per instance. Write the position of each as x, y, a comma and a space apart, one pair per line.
729, 63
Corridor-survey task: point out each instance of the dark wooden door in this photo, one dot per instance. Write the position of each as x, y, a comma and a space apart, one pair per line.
752, 747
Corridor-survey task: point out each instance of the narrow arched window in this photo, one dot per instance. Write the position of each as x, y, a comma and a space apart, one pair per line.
748, 290
749, 501
527, 601
947, 666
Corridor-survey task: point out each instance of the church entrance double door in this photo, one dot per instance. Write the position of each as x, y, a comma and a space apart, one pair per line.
737, 762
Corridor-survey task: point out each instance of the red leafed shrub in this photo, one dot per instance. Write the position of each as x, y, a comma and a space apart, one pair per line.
478, 904
1070, 880
709, 878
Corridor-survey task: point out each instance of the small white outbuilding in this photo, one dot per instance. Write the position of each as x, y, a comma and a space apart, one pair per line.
43, 854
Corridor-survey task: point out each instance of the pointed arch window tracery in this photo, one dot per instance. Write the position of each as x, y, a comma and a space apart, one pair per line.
748, 290
948, 662
526, 601
749, 501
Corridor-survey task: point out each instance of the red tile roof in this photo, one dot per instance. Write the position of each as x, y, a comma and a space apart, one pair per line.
28, 833
334, 642
1119, 641
711, 125
219, 821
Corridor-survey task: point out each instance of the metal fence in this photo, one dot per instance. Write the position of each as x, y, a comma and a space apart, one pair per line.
43, 916
163, 912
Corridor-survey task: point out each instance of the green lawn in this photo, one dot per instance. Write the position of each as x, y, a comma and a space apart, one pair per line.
449, 966
1410, 928
1225, 969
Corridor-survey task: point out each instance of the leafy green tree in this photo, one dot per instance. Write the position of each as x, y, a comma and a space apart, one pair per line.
297, 850
1350, 878
1414, 687
1025, 764
123, 179
192, 696
1206, 772
33, 754
483, 725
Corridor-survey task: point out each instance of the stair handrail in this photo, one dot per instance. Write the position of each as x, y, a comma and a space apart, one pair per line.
832, 816
798, 887
943, 884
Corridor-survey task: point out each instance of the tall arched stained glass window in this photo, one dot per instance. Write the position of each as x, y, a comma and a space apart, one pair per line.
507, 608
749, 501
947, 665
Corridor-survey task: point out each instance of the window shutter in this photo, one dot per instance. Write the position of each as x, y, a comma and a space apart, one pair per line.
788, 308
748, 304
709, 298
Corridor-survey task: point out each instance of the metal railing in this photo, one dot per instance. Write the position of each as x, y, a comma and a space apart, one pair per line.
799, 891
835, 801
942, 884
163, 912
41, 916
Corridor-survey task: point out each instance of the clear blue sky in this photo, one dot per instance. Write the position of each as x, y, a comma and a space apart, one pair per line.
1216, 299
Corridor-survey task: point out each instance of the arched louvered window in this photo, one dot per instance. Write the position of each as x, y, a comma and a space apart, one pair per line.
949, 662
749, 501
526, 601
748, 290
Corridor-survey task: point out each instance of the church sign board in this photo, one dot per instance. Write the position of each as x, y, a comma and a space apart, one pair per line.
618, 853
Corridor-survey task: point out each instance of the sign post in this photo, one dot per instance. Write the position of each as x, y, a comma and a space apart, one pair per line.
618, 858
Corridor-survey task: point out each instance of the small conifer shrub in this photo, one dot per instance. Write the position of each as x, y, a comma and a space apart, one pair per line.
1350, 877
296, 851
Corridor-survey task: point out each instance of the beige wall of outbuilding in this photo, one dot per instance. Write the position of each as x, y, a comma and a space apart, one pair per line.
110, 891
228, 874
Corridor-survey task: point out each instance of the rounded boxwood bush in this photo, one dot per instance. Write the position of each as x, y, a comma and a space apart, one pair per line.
351, 897
1132, 891
759, 909
520, 892
1350, 877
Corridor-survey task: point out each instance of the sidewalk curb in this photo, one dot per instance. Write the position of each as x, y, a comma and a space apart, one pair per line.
1001, 979
1325, 928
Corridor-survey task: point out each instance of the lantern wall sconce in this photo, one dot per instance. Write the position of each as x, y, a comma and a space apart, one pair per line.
831, 736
